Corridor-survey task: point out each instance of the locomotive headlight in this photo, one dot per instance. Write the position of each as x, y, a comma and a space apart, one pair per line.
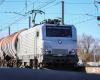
72, 52
46, 51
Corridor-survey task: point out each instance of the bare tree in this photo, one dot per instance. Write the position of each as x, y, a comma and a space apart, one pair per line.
87, 46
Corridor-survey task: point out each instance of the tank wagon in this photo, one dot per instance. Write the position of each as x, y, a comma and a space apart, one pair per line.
50, 44
8, 49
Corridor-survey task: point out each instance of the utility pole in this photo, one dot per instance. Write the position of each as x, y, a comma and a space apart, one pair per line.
29, 21
9, 30
26, 6
94, 56
62, 11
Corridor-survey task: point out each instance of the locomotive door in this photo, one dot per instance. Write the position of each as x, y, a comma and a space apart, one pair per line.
36, 44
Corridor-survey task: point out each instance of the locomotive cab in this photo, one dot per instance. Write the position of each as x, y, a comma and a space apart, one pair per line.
59, 45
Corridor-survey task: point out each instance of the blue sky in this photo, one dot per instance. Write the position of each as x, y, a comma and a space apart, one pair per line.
75, 13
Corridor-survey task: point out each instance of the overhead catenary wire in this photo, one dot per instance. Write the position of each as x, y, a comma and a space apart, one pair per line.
53, 5
40, 8
84, 21
17, 1
95, 5
1, 2
50, 2
77, 3
18, 13
26, 5
47, 4
16, 21
19, 19
22, 15
78, 14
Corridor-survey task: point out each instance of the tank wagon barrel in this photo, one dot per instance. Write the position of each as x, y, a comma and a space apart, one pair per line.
1, 52
8, 47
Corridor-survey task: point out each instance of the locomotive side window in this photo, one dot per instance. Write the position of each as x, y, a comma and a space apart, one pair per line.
37, 34
59, 31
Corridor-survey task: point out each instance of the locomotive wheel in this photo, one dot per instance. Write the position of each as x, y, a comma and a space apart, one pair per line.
40, 66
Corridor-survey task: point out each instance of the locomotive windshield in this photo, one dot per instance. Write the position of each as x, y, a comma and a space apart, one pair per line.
58, 31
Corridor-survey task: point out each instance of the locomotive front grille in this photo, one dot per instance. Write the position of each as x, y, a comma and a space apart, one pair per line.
59, 52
